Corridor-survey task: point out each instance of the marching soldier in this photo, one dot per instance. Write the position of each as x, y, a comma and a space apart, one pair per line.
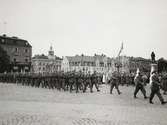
139, 84
155, 88
87, 82
114, 82
94, 81
164, 83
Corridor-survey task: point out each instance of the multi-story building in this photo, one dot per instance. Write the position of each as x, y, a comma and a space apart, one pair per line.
46, 64
99, 63
19, 52
87, 64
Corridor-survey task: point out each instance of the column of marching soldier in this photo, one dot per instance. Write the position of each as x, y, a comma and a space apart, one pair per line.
78, 81
61, 81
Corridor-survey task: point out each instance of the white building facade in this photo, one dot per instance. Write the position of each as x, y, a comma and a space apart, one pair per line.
89, 64
46, 64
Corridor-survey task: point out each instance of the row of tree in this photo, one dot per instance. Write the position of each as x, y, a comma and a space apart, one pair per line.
162, 65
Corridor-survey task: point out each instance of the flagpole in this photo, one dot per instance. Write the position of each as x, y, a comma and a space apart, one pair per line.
118, 63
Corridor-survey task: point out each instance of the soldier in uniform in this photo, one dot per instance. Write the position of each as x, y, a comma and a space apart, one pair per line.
94, 81
139, 84
114, 82
164, 83
87, 82
155, 88
71, 81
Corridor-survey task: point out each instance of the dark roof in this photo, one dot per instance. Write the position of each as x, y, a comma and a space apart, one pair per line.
58, 58
139, 59
5, 40
40, 57
84, 58
80, 58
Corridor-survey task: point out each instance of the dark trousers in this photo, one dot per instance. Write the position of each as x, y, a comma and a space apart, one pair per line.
91, 86
86, 84
116, 86
141, 88
157, 92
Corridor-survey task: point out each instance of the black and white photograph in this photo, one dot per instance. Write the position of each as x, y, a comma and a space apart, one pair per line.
83, 62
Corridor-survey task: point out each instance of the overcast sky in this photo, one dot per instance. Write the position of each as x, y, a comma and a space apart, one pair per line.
88, 26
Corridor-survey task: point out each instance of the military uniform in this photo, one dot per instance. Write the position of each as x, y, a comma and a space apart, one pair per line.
139, 85
155, 88
114, 82
94, 81
87, 82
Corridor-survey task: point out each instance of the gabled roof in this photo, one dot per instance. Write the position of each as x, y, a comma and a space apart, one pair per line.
5, 40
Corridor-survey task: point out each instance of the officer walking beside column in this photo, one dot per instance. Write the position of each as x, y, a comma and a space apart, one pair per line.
155, 87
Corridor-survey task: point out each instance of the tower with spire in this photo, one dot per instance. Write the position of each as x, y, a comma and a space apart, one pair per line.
51, 53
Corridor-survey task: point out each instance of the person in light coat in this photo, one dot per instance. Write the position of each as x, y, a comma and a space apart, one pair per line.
139, 85
155, 88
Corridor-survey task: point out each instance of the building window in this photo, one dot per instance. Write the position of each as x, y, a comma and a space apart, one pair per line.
101, 64
16, 49
3, 41
26, 50
14, 59
26, 60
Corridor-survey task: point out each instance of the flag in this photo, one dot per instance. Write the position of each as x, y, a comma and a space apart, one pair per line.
121, 49
122, 46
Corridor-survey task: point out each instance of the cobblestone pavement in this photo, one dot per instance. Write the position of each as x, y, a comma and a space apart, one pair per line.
22, 105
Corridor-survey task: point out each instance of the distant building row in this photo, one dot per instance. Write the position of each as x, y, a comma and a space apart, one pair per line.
20, 53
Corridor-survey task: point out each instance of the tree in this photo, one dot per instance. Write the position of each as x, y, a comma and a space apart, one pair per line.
162, 65
4, 61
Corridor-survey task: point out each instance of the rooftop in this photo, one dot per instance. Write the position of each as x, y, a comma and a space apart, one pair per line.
5, 40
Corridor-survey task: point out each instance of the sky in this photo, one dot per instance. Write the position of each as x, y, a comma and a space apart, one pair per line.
88, 26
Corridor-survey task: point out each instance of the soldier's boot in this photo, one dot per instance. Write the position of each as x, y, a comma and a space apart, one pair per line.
77, 88
161, 98
97, 88
145, 97
84, 89
165, 93
163, 102
119, 91
91, 90
70, 88
151, 102
111, 88
135, 96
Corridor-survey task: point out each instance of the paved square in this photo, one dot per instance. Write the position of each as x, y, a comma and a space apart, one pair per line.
23, 105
